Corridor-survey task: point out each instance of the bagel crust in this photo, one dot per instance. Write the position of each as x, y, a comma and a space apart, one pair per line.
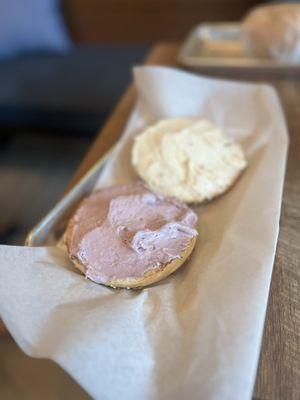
150, 277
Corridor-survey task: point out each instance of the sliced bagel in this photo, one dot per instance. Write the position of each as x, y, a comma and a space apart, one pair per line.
127, 236
187, 158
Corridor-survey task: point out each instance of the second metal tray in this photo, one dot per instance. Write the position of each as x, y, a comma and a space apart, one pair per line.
219, 45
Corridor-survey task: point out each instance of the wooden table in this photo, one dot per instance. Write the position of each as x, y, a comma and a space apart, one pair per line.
278, 374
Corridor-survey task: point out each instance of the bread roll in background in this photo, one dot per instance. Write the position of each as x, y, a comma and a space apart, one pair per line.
273, 31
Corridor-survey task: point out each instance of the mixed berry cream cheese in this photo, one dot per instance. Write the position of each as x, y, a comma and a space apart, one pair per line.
124, 231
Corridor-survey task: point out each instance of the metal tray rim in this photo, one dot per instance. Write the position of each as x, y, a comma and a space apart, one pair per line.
62, 205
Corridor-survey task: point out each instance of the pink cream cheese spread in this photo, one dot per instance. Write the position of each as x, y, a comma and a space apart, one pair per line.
124, 231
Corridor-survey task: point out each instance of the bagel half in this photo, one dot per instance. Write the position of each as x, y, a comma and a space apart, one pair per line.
126, 236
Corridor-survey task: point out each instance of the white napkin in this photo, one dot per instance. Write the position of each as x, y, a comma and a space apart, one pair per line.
198, 332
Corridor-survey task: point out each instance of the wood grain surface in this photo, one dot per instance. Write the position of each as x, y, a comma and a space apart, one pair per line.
278, 374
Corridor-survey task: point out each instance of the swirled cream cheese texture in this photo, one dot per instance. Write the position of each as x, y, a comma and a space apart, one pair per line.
188, 158
124, 231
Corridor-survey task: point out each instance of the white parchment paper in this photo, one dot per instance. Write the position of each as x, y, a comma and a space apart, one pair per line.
196, 334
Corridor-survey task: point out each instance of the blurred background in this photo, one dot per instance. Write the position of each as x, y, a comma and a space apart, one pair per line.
63, 66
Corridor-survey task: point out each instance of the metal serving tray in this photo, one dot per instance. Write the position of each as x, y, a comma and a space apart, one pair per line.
50, 229
219, 45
